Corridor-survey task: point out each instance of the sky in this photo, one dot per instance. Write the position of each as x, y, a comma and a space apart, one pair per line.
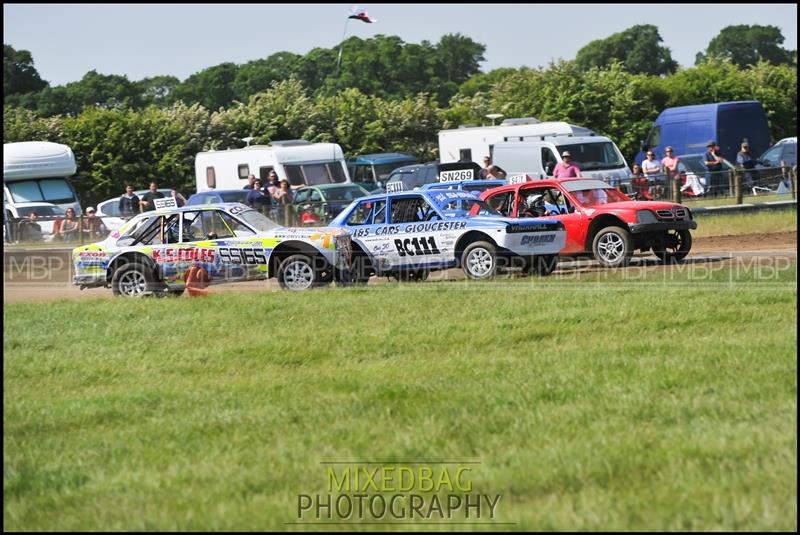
141, 40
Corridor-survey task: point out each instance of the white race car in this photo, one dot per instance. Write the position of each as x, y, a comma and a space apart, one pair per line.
408, 234
153, 252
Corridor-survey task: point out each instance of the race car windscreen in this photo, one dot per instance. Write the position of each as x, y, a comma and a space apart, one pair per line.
594, 196
594, 156
257, 220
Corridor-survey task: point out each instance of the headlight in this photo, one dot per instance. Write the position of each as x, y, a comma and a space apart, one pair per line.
646, 216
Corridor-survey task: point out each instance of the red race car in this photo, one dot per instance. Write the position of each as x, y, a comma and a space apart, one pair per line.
600, 220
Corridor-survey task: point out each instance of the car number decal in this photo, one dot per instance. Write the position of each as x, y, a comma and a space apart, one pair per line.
416, 246
242, 255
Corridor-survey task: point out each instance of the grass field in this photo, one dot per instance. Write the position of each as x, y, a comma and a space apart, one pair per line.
761, 222
652, 406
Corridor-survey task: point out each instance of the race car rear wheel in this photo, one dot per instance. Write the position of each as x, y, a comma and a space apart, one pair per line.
542, 265
297, 273
132, 280
612, 247
479, 260
673, 246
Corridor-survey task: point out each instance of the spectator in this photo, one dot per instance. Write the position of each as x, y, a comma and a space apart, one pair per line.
745, 160
68, 230
495, 173
566, 168
670, 162
29, 229
129, 203
487, 166
652, 171
180, 200
272, 183
284, 194
251, 180
147, 203
640, 185
93, 226
255, 198
712, 161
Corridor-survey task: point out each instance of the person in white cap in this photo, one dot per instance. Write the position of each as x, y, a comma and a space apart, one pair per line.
566, 168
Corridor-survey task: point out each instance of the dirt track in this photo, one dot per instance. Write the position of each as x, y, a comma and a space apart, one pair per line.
716, 249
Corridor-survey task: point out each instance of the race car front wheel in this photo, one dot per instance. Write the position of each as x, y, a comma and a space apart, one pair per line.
612, 247
296, 273
673, 246
479, 260
132, 280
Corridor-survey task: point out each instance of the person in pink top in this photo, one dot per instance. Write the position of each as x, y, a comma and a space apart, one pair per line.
566, 168
670, 162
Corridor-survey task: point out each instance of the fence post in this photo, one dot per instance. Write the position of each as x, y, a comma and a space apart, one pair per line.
675, 185
737, 185
792, 180
80, 230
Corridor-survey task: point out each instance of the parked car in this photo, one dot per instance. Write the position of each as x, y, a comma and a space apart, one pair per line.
411, 177
108, 210
48, 214
691, 165
407, 234
153, 251
323, 203
784, 150
371, 170
218, 197
599, 219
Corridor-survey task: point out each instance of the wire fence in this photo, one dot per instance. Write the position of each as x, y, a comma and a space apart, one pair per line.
732, 185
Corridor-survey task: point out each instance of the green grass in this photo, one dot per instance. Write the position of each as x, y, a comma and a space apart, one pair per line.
693, 202
761, 222
616, 405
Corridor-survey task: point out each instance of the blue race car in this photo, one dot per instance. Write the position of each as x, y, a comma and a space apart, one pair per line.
408, 234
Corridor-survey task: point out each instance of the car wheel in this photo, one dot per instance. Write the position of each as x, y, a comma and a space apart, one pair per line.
612, 247
296, 273
674, 246
479, 260
542, 265
361, 269
132, 280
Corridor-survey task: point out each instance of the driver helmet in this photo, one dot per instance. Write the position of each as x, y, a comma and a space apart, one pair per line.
535, 203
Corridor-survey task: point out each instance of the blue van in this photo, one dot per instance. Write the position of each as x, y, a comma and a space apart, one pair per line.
370, 171
688, 129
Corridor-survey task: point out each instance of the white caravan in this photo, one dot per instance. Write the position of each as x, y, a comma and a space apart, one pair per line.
532, 147
300, 162
38, 171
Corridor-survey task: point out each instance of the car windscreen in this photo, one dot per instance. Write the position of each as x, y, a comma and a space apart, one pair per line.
384, 170
41, 211
343, 193
598, 196
257, 220
234, 196
594, 156
54, 190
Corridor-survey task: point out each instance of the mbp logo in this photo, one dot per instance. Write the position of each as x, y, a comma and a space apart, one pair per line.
26, 267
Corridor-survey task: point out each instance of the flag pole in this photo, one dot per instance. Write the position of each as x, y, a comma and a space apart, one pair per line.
336, 83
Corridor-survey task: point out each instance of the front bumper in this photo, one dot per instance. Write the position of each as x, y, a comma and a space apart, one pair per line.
662, 226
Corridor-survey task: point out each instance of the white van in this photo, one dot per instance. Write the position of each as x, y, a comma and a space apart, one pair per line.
39, 171
532, 147
301, 162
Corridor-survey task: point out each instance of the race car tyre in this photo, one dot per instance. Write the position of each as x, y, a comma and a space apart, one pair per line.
132, 280
674, 246
479, 260
612, 247
542, 265
297, 273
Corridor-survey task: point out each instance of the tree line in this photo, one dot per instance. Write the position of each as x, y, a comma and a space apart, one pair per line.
122, 136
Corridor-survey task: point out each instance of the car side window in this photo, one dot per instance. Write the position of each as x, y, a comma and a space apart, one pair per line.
412, 210
368, 213
301, 196
315, 196
239, 228
215, 226
503, 203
